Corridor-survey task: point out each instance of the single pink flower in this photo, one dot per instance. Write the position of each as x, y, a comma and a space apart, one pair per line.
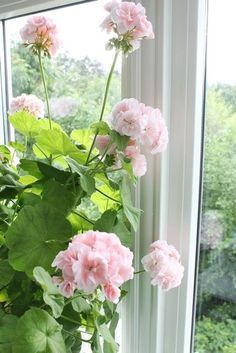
65, 260
103, 143
139, 165
29, 103
155, 134
65, 287
127, 118
163, 265
111, 292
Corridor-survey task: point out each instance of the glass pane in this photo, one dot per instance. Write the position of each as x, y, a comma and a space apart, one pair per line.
215, 327
76, 77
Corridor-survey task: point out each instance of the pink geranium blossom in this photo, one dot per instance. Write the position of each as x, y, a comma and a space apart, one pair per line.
138, 160
29, 103
163, 265
95, 259
155, 134
41, 32
103, 143
129, 21
127, 118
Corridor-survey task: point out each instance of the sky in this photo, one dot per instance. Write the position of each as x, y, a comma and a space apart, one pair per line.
81, 35
221, 63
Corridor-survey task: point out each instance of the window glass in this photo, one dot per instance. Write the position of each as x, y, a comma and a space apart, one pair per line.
215, 327
76, 76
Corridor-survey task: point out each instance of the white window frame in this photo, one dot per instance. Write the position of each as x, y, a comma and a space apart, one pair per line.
167, 73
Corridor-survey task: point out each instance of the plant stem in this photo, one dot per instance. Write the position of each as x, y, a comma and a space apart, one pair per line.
138, 272
76, 336
85, 218
108, 84
109, 197
104, 101
45, 86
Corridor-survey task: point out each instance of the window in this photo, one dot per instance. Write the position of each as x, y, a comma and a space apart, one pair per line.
166, 73
216, 291
76, 77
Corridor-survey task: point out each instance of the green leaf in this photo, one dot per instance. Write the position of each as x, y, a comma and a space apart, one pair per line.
106, 198
76, 167
101, 127
51, 295
51, 172
83, 137
45, 125
123, 233
7, 332
5, 153
18, 146
80, 305
36, 237
36, 332
88, 184
78, 223
106, 222
107, 347
58, 196
31, 167
132, 213
57, 143
120, 141
25, 123
106, 334
27, 180
6, 273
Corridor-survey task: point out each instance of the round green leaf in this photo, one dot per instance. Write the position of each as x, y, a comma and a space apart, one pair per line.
6, 273
51, 295
38, 332
7, 332
36, 236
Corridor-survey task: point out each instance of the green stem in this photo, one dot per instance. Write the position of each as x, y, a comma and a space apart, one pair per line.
80, 215
45, 86
109, 197
138, 272
104, 101
76, 336
108, 84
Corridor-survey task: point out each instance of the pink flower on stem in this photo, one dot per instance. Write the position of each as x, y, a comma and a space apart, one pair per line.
94, 259
129, 21
163, 265
41, 32
29, 103
127, 118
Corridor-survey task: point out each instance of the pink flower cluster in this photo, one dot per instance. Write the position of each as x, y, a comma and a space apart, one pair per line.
163, 265
143, 124
94, 259
29, 103
129, 20
42, 32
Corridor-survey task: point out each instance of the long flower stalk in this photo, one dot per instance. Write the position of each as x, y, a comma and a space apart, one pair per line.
45, 87
104, 101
